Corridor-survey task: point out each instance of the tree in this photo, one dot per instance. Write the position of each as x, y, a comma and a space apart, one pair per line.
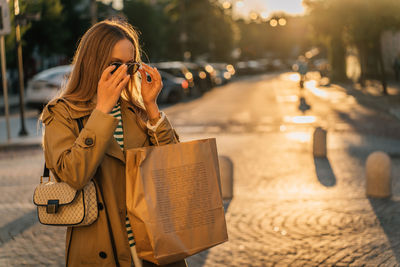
76, 22
366, 22
46, 35
42, 32
359, 23
201, 27
328, 22
150, 22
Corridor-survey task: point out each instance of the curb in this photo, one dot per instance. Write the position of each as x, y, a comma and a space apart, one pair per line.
21, 144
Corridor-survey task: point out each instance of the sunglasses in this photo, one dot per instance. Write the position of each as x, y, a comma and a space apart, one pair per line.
132, 67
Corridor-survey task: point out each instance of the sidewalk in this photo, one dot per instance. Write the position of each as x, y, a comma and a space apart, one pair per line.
371, 96
13, 101
33, 139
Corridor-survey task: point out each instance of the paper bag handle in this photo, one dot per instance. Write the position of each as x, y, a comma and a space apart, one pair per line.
175, 138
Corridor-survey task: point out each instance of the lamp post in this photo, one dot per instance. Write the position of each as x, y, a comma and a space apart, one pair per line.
23, 131
4, 30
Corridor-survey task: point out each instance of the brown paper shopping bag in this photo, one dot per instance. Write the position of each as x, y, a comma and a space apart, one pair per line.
173, 198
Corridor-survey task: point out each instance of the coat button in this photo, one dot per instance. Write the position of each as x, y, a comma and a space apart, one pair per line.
103, 255
100, 206
88, 141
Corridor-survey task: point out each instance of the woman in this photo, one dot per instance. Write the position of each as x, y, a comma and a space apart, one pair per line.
103, 90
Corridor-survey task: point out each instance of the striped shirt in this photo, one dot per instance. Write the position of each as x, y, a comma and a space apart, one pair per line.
119, 136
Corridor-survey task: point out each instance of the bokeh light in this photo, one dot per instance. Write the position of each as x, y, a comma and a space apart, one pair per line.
226, 5
253, 15
189, 76
209, 68
202, 75
227, 75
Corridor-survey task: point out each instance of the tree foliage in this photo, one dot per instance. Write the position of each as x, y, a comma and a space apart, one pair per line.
149, 20
201, 27
358, 23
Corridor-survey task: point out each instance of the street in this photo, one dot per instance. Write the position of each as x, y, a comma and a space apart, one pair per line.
288, 209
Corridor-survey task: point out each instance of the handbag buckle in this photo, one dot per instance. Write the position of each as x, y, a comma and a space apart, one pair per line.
52, 206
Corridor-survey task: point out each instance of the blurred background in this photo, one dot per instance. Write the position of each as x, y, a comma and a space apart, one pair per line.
300, 95
342, 40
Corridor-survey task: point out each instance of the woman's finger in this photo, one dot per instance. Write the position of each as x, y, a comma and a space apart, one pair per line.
143, 74
157, 74
123, 83
149, 69
119, 75
107, 73
153, 72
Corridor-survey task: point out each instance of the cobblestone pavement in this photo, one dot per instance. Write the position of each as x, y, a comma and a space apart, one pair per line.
289, 208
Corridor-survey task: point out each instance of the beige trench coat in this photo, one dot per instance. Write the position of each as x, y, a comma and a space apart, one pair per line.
75, 158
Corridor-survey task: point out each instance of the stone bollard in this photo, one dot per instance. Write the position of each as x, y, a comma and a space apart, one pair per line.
319, 142
378, 175
226, 171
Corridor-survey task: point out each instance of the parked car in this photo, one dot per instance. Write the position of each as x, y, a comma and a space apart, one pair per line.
223, 72
173, 88
46, 85
209, 73
195, 75
249, 67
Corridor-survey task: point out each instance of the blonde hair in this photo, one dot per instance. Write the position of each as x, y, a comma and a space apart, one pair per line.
93, 56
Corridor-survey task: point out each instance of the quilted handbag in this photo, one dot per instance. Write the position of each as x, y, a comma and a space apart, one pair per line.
60, 205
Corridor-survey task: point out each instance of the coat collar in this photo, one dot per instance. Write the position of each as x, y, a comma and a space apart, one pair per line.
75, 111
135, 134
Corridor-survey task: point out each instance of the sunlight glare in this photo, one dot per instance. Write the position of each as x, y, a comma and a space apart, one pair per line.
302, 137
312, 86
264, 15
294, 77
239, 4
300, 119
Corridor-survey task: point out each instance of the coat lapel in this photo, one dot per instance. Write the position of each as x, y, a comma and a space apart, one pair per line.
114, 150
134, 135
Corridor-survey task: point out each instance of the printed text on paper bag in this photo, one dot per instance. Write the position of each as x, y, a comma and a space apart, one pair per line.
183, 197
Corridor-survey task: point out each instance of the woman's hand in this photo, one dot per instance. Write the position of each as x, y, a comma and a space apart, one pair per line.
110, 87
150, 90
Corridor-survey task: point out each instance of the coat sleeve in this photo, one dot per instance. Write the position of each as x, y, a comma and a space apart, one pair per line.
162, 133
74, 157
